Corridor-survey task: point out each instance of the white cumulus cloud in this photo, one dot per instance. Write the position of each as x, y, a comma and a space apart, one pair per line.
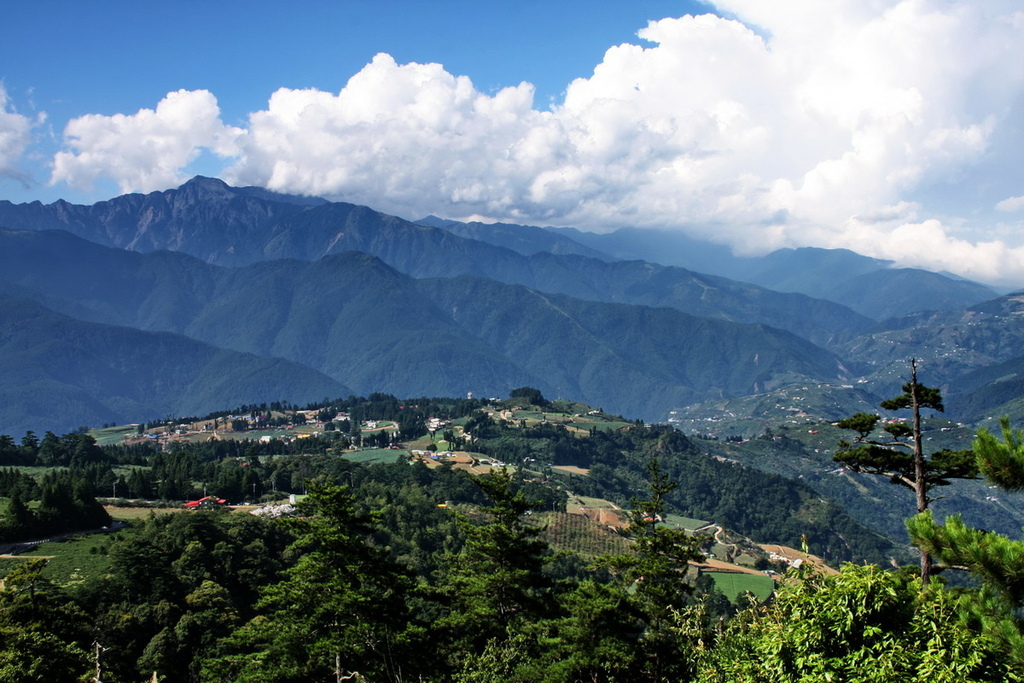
833, 123
400, 137
147, 150
15, 134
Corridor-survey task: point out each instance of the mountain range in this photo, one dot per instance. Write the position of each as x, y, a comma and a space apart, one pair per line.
361, 322
870, 286
342, 298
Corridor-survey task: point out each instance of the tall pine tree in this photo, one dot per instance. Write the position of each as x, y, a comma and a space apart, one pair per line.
899, 455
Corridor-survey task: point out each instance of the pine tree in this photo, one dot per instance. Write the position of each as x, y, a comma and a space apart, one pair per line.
655, 576
497, 580
42, 632
340, 608
899, 455
19, 521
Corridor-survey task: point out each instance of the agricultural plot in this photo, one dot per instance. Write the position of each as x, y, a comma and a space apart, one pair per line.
735, 584
579, 535
572, 470
587, 501
688, 523
111, 436
129, 513
603, 425
376, 455
74, 560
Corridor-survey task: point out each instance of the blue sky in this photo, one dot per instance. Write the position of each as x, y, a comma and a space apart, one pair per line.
69, 58
891, 127
115, 56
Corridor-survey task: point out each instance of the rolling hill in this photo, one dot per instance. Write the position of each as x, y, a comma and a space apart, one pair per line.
57, 373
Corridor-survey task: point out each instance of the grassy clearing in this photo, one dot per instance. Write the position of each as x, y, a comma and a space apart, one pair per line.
376, 455
74, 560
34, 471
688, 523
733, 584
603, 426
128, 514
111, 436
589, 502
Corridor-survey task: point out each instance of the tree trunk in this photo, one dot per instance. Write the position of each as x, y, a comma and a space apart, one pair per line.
919, 478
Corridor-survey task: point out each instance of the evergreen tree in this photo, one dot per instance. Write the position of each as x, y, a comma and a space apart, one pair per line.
900, 455
140, 483
340, 609
498, 578
496, 585
19, 521
655, 576
10, 454
29, 448
42, 632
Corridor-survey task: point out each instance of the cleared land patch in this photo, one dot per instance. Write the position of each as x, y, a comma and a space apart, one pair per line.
733, 584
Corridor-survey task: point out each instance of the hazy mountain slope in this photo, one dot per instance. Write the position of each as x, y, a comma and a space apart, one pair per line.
613, 355
57, 373
353, 317
667, 247
810, 269
952, 343
990, 393
523, 239
867, 285
155, 291
649, 284
348, 315
872, 287
895, 292
361, 322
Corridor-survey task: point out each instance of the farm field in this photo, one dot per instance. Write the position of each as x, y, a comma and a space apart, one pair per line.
733, 584
129, 513
688, 523
572, 469
580, 535
73, 560
110, 436
376, 455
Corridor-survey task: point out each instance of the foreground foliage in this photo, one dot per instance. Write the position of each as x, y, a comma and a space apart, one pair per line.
995, 559
402, 572
864, 624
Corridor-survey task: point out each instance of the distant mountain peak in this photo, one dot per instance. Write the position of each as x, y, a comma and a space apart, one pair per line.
205, 182
203, 187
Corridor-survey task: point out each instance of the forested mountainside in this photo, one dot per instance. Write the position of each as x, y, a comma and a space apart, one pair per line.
358, 321
291, 288
57, 373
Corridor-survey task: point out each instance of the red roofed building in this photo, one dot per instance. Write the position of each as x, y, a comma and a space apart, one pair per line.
208, 502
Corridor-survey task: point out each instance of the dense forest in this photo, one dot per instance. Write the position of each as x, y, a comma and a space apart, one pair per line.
407, 572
